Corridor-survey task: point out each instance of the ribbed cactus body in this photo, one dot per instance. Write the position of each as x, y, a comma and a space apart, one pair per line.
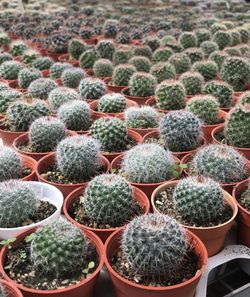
188, 39
208, 69
141, 63
193, 82
26, 76
43, 63
162, 54
76, 48
209, 47
223, 39
9, 70
61, 95
141, 117
103, 68
18, 47
10, 164
181, 62
88, 58
163, 71
142, 84
71, 77
92, 88
7, 97
122, 74
41, 87
112, 103
218, 57
105, 49
57, 69
122, 55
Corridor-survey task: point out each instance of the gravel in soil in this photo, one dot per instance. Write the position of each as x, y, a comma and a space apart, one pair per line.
244, 200
189, 269
26, 171
165, 204
78, 213
28, 148
44, 210
19, 268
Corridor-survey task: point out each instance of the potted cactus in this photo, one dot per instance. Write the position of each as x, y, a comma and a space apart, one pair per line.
152, 273
113, 136
41, 87
163, 71
9, 290
91, 89
34, 203
200, 205
193, 83
76, 160
70, 261
106, 204
7, 97
9, 70
71, 77
103, 68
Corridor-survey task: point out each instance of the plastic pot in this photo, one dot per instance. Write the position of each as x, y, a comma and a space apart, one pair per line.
45, 192
126, 288
103, 234
146, 188
180, 155
243, 215
11, 290
49, 160
24, 139
54, 56
111, 87
243, 150
83, 288
212, 237
137, 99
65, 58
29, 163
8, 136
14, 85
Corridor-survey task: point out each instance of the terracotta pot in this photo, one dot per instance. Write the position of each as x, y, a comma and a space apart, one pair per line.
14, 85
207, 129
142, 131
180, 155
139, 100
8, 136
212, 237
54, 56
151, 102
11, 290
29, 163
24, 139
243, 223
45, 73
5, 47
126, 288
94, 105
49, 160
226, 186
146, 188
65, 58
92, 40
83, 288
103, 234
244, 151
131, 134
59, 81
110, 87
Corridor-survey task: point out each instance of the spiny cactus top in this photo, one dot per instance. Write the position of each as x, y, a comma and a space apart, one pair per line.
223, 39
122, 74
112, 103
103, 68
92, 88
245, 98
148, 163
41, 87
155, 245
78, 157
237, 125
108, 199
57, 69
18, 201
221, 163
43, 63
162, 54
141, 63
88, 58
209, 47
188, 39
181, 131
76, 48
141, 117
181, 62
198, 200
208, 69
9, 70
10, 164
58, 248
105, 48
61, 95
71, 77
26, 76
122, 54
193, 82
7, 97
18, 47
142, 84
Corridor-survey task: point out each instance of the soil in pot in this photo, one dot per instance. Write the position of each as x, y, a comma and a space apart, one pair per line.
244, 200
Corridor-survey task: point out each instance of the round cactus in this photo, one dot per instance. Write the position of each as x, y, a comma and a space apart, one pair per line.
237, 125
208, 69
223, 39
245, 98
7, 97
142, 84
10, 164
110, 28
5, 57
217, 27
170, 95
236, 37
103, 68
26, 76
30, 56
71, 77
75, 115
92, 88
181, 62
181, 131
218, 57
202, 35
142, 50
141, 117
219, 162
61, 95
78, 157
244, 34
105, 49
221, 91
108, 199
141, 63
209, 47
4, 39
195, 54
148, 241
45, 133
122, 55
18, 202
58, 248
18, 48
112, 103
9, 70
57, 69
41, 87
88, 58
193, 82
163, 71
198, 200
236, 72
123, 38
205, 107
122, 74
43, 63
162, 54
148, 163
188, 39
76, 48
152, 41
111, 133
233, 51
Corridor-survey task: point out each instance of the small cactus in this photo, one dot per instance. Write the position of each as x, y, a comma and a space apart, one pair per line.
152, 41
110, 28
18, 48
88, 58
10, 164
208, 69
142, 84
162, 54
71, 77
218, 57
9, 70
188, 39
5, 57
103, 68
105, 49
26, 76
141, 63
163, 71
92, 88
122, 74
223, 39
143, 117
41, 87
30, 56
122, 55
195, 54
76, 48
112, 103
208, 47
181, 62
7, 97
142, 50
61, 95
57, 69
202, 35
193, 82
43, 63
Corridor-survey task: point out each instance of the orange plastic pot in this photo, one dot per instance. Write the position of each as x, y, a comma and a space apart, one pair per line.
137, 99
50, 160
65, 58
10, 289
212, 237
29, 163
8, 136
103, 234
14, 85
54, 56
243, 223
45, 73
148, 189
180, 155
84, 287
126, 288
112, 88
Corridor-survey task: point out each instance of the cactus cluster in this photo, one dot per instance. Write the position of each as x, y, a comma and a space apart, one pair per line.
57, 69
103, 68
10, 164
92, 88
142, 84
112, 103
7, 97
41, 87
122, 74
26, 76
9, 70
143, 117
61, 95
193, 82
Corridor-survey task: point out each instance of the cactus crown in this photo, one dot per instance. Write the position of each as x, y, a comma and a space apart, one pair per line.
112, 103
103, 68
57, 69
162, 54
142, 84
181, 62
26, 76
7, 97
10, 164
76, 48
88, 58
71, 77
9, 70
208, 69
141, 63
163, 71
41, 87
92, 88
43, 63
193, 82
188, 39
105, 49
122, 74
141, 117
122, 55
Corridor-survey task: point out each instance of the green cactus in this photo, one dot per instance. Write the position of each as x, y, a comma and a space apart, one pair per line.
233, 51
148, 163
111, 133
41, 87
4, 39
142, 50
92, 88
30, 56
7, 97
193, 82
163, 71
75, 115
26, 76
181, 62
170, 95
142, 117
152, 41
223, 39
245, 98
244, 34
218, 57
188, 39
18, 48
108, 200
208, 47
18, 202
217, 27
71, 77
208, 69
123, 38
75, 48
9, 70
181, 131
122, 74
142, 84
57, 69
112, 103
162, 54
122, 55
202, 35
61, 95
198, 200
5, 57
141, 63
219, 162
105, 49
236, 36
110, 28
195, 54
103, 68
10, 164
43, 63
88, 58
